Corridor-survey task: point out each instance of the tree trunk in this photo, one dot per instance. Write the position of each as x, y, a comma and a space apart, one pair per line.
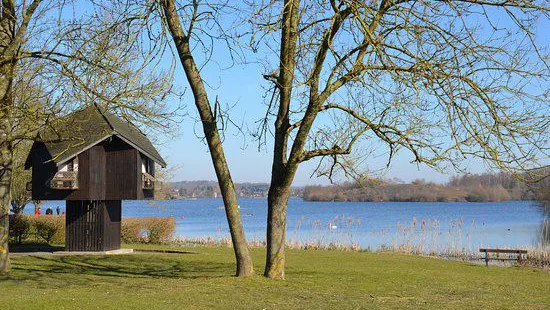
6, 166
5, 180
242, 255
7, 24
277, 203
282, 171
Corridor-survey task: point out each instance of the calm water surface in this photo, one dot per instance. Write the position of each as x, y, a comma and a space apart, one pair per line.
366, 224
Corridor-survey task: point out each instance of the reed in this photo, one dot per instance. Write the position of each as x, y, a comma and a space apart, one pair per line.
425, 237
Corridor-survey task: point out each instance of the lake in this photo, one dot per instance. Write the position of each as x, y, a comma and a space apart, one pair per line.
431, 226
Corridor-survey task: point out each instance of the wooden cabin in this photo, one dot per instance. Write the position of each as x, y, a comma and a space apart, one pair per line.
93, 160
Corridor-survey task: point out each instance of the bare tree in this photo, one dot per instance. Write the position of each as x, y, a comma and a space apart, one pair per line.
184, 28
446, 81
74, 60
14, 23
183, 38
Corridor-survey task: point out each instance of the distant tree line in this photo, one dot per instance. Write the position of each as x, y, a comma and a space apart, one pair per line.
473, 188
544, 194
210, 189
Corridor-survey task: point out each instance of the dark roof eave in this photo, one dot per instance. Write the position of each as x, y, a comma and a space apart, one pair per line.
61, 160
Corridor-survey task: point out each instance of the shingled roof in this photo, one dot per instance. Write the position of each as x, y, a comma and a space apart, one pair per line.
71, 135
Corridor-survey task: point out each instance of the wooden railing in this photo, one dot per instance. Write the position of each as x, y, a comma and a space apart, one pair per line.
147, 181
65, 180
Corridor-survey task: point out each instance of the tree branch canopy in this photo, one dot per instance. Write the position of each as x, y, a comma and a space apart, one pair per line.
447, 81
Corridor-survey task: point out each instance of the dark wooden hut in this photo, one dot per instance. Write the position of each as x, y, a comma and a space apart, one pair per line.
93, 160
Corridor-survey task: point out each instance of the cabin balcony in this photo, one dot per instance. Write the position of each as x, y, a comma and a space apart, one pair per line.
147, 181
65, 180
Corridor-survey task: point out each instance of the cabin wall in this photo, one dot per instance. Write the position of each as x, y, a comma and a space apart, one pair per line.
96, 174
92, 225
123, 179
112, 224
139, 186
42, 171
84, 170
91, 176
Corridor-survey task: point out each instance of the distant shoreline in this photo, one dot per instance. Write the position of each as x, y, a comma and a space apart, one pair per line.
300, 198
487, 187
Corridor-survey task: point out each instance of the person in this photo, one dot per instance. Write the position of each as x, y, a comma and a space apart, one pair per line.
57, 210
37, 211
49, 211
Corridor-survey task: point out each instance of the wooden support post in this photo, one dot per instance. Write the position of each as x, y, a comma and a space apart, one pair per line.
92, 225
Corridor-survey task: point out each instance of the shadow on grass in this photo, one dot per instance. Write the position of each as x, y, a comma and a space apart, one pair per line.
78, 269
34, 247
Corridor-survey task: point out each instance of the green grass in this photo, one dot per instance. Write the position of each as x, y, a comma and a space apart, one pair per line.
315, 280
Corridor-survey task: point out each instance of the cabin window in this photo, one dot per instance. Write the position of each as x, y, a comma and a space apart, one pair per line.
147, 179
71, 165
66, 177
146, 165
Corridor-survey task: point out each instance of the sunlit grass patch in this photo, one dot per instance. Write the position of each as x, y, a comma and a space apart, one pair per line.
316, 279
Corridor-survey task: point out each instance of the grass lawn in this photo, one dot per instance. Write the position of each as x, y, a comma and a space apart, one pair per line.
315, 280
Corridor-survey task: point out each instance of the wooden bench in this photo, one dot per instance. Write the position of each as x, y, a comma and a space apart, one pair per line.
502, 251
